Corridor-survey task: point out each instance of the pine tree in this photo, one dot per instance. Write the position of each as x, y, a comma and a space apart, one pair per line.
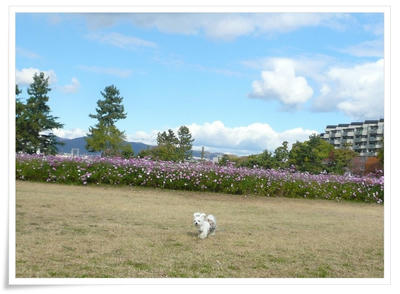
34, 124
185, 143
165, 138
20, 122
105, 137
110, 109
281, 155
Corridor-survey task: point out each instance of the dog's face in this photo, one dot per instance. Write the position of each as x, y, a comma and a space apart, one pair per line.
198, 218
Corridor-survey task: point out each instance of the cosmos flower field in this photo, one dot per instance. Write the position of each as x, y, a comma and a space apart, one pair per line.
202, 176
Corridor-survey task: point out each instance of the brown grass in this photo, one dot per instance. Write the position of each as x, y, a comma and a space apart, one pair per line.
75, 231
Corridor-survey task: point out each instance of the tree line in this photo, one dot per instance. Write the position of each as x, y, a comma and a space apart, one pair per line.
35, 124
314, 155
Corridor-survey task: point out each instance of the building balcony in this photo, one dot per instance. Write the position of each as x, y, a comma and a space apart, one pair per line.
368, 153
348, 134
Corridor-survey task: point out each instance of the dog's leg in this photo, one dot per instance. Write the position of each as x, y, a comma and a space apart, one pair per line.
203, 235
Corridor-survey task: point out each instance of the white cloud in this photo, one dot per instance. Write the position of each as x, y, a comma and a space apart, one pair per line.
217, 137
282, 84
372, 48
71, 88
375, 28
220, 25
69, 134
308, 66
357, 91
143, 137
25, 75
113, 71
120, 40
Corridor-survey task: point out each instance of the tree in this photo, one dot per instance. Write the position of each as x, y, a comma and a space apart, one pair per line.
281, 155
310, 155
109, 140
161, 152
340, 160
21, 128
185, 143
34, 124
105, 137
110, 109
372, 165
165, 138
170, 147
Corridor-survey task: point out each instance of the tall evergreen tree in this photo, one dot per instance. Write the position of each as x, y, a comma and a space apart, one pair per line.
165, 139
105, 137
185, 142
281, 155
110, 109
21, 129
34, 123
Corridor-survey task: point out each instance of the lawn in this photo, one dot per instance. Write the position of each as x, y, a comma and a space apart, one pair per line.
136, 232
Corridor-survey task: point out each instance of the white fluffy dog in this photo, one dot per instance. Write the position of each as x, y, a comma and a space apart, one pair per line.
206, 224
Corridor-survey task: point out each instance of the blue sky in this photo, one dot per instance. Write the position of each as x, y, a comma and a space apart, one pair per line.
242, 83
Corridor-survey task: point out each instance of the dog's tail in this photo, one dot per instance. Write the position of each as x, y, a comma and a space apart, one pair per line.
213, 222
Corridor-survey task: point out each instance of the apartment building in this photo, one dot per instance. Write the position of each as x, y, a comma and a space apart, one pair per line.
366, 137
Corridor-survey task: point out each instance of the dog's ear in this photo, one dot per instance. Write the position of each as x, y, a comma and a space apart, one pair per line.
196, 214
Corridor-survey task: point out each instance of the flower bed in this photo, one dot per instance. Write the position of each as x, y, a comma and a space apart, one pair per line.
197, 177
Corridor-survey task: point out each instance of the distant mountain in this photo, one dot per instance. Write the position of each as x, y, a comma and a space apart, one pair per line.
80, 143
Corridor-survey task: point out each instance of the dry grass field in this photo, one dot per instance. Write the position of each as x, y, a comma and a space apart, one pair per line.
123, 232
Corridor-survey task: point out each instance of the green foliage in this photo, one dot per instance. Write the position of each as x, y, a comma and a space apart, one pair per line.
264, 160
110, 109
108, 140
281, 155
170, 147
161, 152
267, 160
165, 138
21, 123
105, 137
339, 160
185, 143
34, 124
126, 150
314, 156
309, 155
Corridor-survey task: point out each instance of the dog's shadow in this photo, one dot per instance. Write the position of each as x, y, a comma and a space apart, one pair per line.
192, 234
